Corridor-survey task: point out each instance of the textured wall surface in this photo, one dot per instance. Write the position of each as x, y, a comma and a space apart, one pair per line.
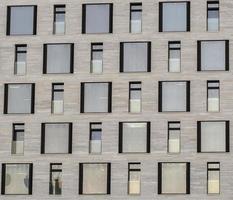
119, 100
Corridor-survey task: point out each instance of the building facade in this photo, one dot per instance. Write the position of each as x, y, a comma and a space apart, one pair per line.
116, 99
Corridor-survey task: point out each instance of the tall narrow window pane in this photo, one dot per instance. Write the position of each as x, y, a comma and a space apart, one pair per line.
174, 56
135, 97
21, 20
213, 178
17, 147
213, 16
134, 178
55, 181
97, 18
17, 179
59, 19
57, 98
96, 58
173, 137
95, 137
136, 17
213, 96
20, 59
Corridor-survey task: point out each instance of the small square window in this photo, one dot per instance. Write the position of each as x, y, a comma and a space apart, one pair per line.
97, 18
21, 20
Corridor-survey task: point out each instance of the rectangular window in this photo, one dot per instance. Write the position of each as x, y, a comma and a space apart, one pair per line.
213, 178
95, 145
213, 96
59, 25
213, 55
96, 97
174, 96
19, 98
17, 178
21, 20
135, 56
134, 178
173, 137
173, 178
174, 56
213, 136
135, 94
97, 18
58, 58
212, 16
94, 178
17, 146
57, 98
56, 138
135, 18
20, 59
174, 16
134, 137
96, 58
55, 180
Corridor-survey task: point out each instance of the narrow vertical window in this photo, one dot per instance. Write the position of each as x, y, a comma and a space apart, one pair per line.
59, 19
173, 137
135, 97
55, 181
96, 58
213, 178
57, 98
213, 16
174, 56
95, 138
134, 178
17, 147
20, 59
213, 96
135, 18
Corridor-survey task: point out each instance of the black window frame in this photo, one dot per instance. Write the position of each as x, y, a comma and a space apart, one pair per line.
132, 4
108, 177
212, 88
15, 131
45, 55
5, 110
199, 55
55, 12
91, 129
110, 17
121, 67
213, 169
70, 135
4, 180
51, 170
148, 137
188, 21
227, 128
8, 25
168, 134
211, 9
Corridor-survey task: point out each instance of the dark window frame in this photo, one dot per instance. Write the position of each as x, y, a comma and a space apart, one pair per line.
227, 127
17, 52
56, 90
134, 169
70, 135
45, 56
95, 50
173, 48
168, 134
14, 133
148, 137
213, 169
133, 89
91, 129
108, 177
55, 12
134, 10
212, 88
8, 25
211, 9
51, 170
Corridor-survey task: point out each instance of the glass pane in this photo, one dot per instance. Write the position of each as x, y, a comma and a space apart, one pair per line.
136, 22
213, 182
213, 20
95, 143
56, 182
18, 143
134, 182
135, 101
174, 61
174, 141
213, 100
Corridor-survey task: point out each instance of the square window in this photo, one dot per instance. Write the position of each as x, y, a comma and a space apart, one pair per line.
97, 18
94, 178
56, 138
213, 136
19, 98
213, 55
58, 58
134, 137
174, 178
17, 178
135, 56
174, 16
96, 97
21, 20
174, 96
